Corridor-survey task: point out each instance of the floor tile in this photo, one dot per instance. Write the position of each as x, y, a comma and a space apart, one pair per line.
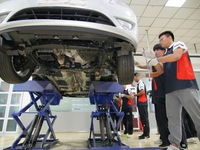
79, 140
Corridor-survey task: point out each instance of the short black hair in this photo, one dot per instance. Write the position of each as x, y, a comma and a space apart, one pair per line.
136, 73
158, 46
167, 33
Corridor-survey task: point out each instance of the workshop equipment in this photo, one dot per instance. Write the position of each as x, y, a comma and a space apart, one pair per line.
101, 94
43, 94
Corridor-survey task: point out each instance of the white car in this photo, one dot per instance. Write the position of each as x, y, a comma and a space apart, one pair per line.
68, 42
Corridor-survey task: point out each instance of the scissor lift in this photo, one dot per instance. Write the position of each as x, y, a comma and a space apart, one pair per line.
101, 95
43, 94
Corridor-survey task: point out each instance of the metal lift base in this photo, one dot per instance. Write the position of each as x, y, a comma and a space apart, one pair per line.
101, 94
114, 146
43, 94
47, 146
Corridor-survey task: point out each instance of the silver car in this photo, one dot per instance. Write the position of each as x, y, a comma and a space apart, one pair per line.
68, 42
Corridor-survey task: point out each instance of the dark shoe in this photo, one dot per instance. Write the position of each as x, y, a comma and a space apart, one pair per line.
164, 145
144, 136
183, 146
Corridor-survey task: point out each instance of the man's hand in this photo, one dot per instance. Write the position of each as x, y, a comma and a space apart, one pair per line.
153, 62
121, 95
148, 54
114, 97
137, 63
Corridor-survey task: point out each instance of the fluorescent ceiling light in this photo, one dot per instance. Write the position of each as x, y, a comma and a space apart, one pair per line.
175, 3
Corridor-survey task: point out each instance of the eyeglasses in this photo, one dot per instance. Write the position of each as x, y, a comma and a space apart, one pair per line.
161, 39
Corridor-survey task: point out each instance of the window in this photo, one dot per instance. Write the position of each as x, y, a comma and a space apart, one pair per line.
9, 102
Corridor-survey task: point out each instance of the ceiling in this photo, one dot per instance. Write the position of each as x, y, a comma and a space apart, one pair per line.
153, 18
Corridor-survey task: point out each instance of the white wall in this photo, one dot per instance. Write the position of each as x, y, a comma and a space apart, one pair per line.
75, 122
67, 121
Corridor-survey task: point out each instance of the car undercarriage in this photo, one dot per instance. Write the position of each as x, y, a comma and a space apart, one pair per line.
70, 47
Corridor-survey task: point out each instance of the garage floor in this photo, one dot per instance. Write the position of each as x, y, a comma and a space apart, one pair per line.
70, 141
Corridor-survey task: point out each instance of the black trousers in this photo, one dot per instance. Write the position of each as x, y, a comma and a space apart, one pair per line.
128, 119
189, 125
184, 136
162, 121
143, 112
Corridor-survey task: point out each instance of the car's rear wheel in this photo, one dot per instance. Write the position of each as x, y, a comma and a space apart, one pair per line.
11, 69
125, 69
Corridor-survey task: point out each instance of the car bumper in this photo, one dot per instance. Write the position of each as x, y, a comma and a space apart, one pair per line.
54, 25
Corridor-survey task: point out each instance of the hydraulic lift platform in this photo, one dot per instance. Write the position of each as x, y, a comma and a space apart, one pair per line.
101, 94
43, 94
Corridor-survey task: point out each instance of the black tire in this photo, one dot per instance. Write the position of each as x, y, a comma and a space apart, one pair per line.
125, 69
11, 71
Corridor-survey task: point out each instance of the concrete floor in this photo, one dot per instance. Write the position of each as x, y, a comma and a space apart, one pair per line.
78, 140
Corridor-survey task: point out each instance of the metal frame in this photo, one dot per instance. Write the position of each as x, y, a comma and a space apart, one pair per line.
101, 94
43, 94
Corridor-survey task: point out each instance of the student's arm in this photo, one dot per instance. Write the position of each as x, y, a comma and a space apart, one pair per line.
172, 57
119, 99
141, 89
158, 67
142, 66
130, 96
140, 93
159, 70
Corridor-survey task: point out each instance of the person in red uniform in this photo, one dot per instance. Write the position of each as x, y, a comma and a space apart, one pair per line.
180, 87
158, 95
142, 105
158, 98
127, 102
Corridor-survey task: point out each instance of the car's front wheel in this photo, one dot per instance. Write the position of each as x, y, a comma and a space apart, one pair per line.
125, 69
12, 70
